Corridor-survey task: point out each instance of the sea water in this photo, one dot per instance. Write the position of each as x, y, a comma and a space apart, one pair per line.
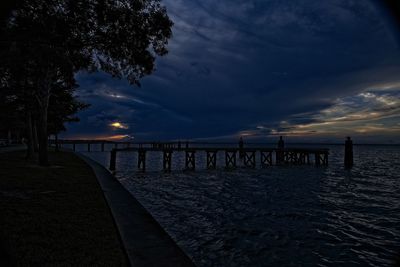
278, 216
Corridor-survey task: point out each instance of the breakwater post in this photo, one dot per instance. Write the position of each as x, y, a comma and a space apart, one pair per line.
348, 154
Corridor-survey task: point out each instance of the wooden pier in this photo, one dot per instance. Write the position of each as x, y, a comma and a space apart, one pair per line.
232, 153
89, 144
287, 156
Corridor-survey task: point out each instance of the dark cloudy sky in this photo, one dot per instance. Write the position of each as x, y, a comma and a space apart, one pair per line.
306, 69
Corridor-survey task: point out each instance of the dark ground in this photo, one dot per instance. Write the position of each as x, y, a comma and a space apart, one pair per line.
54, 216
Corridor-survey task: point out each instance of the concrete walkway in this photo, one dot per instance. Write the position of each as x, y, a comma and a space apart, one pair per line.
145, 241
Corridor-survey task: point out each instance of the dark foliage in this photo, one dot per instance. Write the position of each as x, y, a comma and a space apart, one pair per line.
44, 43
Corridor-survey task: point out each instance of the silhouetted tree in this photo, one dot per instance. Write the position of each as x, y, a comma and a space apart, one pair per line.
54, 39
63, 108
11, 112
17, 106
18, 112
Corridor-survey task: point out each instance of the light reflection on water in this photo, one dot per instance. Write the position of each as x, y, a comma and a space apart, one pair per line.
280, 216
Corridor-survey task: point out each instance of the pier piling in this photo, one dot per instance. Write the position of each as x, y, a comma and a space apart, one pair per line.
190, 161
266, 158
325, 159
113, 159
167, 160
230, 159
280, 156
211, 159
250, 158
142, 160
317, 159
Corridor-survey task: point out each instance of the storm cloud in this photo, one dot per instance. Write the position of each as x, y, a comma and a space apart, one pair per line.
257, 68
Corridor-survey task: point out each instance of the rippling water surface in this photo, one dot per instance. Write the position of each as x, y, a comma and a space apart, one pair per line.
280, 216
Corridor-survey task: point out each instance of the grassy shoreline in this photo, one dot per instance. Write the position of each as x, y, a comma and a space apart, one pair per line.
55, 216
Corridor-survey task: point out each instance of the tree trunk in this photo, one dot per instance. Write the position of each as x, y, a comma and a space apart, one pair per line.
9, 137
43, 98
30, 150
35, 137
56, 142
42, 127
